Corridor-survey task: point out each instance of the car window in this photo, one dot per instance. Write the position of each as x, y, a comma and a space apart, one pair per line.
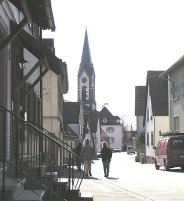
177, 144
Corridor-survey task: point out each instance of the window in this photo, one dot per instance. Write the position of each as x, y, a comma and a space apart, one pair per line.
110, 129
117, 121
176, 123
84, 93
177, 144
84, 80
111, 140
105, 120
152, 138
174, 89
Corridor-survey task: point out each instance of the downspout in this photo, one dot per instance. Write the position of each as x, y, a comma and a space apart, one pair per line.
154, 132
169, 103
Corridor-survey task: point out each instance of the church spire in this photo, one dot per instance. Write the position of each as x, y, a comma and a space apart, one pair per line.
86, 77
86, 62
86, 55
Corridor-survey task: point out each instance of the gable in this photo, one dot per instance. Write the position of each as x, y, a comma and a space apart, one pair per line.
71, 112
158, 90
140, 99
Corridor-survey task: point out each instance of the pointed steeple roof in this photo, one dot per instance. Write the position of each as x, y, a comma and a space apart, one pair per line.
86, 62
86, 55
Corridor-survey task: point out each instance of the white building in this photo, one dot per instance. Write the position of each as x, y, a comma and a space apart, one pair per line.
111, 129
156, 112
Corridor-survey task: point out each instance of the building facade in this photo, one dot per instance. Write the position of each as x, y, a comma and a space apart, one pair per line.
175, 77
156, 112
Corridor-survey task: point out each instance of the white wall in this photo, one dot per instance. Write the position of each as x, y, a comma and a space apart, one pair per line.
117, 135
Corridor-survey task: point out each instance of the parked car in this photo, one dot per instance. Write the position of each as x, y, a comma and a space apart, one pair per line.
170, 151
130, 150
117, 149
98, 154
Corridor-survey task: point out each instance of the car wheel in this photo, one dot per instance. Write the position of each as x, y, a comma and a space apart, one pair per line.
156, 166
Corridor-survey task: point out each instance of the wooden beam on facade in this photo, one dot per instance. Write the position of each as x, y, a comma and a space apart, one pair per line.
13, 34
35, 82
21, 84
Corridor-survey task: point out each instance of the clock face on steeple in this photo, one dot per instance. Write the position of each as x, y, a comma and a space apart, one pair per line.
84, 80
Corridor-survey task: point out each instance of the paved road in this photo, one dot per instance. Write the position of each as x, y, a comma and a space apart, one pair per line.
132, 181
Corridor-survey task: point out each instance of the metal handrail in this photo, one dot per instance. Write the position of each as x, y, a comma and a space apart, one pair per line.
25, 158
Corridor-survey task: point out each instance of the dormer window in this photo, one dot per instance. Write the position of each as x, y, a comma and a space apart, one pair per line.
117, 121
104, 120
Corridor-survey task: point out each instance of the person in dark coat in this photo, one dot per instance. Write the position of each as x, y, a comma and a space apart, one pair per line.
106, 154
77, 150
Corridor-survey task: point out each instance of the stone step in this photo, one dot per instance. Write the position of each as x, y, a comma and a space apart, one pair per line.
75, 195
86, 196
14, 190
28, 195
13, 187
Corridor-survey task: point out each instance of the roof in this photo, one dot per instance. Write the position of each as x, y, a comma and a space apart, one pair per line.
174, 66
86, 62
111, 120
105, 113
71, 112
69, 132
93, 120
158, 89
40, 12
39, 50
140, 98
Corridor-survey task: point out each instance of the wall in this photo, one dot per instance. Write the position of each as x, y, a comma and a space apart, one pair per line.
161, 123
117, 135
51, 118
177, 104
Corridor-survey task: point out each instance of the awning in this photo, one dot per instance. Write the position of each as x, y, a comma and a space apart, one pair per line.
40, 11
39, 50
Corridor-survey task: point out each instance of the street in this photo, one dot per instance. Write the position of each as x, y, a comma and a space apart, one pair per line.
132, 181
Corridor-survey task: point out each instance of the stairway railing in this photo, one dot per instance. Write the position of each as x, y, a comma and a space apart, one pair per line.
45, 161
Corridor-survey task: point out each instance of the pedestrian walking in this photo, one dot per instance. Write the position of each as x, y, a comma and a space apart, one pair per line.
106, 154
77, 150
87, 155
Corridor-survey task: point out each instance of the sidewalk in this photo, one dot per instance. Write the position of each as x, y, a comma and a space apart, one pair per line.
100, 193
107, 189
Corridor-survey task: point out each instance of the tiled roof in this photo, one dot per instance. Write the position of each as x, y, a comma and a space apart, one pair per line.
159, 93
71, 112
111, 120
140, 98
69, 132
173, 67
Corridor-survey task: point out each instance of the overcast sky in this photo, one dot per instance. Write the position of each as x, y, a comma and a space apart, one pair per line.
126, 38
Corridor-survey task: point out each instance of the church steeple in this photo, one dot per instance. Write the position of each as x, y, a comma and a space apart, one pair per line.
86, 62
86, 77
86, 55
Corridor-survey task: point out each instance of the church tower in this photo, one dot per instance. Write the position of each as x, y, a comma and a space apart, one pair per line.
86, 77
